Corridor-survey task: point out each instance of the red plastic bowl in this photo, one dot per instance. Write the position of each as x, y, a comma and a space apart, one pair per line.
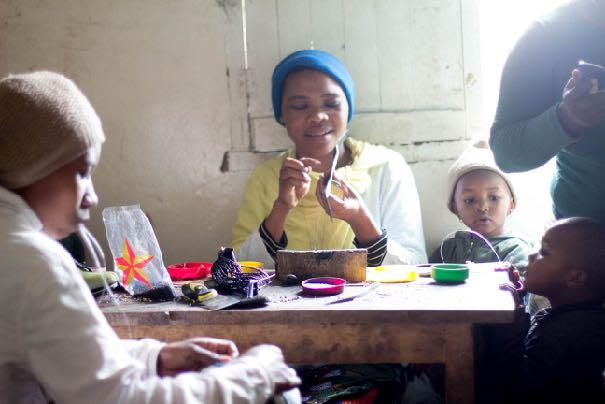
325, 286
189, 270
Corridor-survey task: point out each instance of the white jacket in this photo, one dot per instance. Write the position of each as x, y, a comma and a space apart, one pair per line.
388, 190
55, 343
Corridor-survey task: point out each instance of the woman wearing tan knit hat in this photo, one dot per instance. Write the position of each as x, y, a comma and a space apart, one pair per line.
55, 344
49, 127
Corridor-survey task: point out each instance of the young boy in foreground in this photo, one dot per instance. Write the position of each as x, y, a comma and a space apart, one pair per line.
562, 356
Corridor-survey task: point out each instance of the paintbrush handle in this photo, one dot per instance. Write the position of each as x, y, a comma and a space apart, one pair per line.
364, 292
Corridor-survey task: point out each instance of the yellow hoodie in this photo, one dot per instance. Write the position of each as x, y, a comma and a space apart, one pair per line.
307, 226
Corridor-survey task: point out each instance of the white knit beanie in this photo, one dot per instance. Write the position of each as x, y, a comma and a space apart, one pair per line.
476, 157
45, 123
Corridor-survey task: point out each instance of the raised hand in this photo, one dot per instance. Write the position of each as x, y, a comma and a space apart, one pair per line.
349, 206
294, 180
346, 204
514, 284
583, 106
294, 184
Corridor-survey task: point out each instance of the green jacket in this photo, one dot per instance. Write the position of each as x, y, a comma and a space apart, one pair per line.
465, 246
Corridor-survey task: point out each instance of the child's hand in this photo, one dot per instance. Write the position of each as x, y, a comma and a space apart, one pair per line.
513, 274
514, 284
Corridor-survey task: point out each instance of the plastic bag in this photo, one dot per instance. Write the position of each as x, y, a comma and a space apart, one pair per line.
420, 390
137, 257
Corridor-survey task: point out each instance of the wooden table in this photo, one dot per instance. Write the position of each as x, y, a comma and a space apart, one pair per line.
418, 322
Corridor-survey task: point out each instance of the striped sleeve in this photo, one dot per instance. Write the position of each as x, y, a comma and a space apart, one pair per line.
377, 248
271, 245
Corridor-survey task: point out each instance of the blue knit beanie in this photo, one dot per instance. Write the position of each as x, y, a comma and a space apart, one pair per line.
311, 59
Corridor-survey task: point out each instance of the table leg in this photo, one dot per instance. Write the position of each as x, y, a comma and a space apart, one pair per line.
459, 364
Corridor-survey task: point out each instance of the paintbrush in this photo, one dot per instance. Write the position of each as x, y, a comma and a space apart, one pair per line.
364, 292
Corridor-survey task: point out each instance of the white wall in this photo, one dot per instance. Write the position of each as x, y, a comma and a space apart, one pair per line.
156, 73
502, 23
168, 81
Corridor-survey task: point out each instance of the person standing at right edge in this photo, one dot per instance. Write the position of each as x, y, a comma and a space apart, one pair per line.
547, 108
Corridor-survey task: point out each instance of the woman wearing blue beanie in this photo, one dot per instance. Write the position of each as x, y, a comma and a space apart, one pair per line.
376, 202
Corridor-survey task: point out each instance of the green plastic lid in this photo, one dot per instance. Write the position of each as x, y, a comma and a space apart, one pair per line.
449, 273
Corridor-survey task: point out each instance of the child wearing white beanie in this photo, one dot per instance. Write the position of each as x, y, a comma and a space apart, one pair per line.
482, 197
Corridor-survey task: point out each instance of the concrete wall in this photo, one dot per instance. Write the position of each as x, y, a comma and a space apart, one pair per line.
156, 73
167, 80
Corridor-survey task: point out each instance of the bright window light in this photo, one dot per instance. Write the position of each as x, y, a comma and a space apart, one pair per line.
502, 23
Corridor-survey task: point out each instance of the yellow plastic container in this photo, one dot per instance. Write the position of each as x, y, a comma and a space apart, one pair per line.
392, 273
250, 266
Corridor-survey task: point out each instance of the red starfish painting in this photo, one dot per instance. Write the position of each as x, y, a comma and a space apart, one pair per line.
133, 265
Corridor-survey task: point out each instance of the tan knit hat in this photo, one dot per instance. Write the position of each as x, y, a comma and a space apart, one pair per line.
476, 157
45, 123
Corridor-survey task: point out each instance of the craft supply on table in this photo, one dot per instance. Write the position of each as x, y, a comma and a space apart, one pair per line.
250, 266
349, 264
221, 302
198, 292
392, 273
136, 253
252, 288
450, 273
189, 270
325, 286
424, 270
291, 280
366, 291
283, 299
229, 276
